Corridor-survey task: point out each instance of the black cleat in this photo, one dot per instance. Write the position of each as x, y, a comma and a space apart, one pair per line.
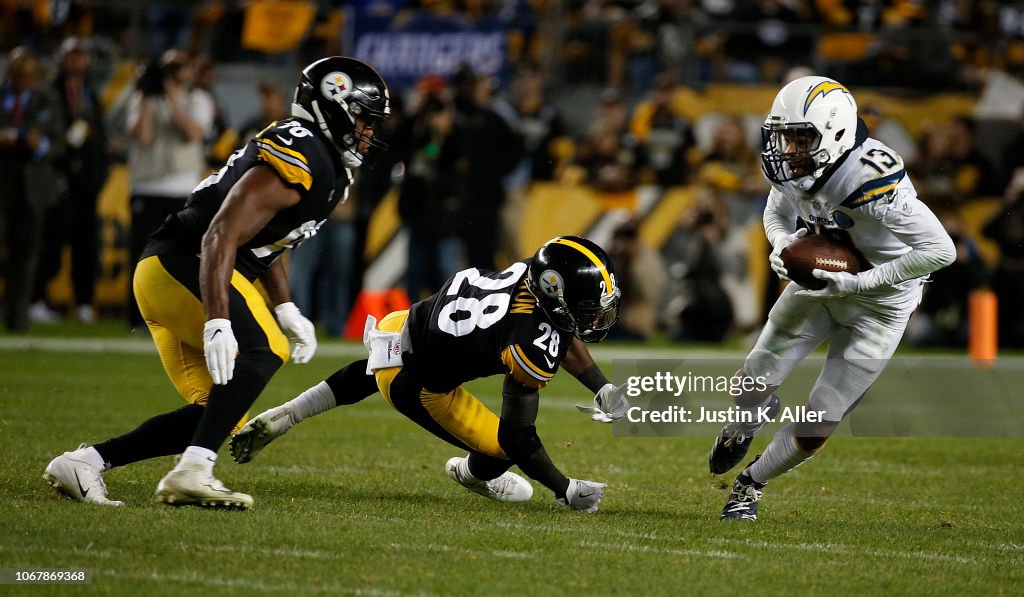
743, 498
733, 442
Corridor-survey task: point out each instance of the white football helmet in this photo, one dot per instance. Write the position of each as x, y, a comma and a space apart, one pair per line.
813, 122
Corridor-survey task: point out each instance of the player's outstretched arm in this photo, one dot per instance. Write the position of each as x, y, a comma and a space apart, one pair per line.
610, 402
581, 365
517, 436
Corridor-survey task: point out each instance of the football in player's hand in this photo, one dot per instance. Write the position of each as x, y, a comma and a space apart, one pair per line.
816, 251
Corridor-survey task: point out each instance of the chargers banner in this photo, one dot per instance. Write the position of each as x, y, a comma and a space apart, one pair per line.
405, 48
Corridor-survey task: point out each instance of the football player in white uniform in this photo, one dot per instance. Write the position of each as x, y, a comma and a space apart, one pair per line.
828, 176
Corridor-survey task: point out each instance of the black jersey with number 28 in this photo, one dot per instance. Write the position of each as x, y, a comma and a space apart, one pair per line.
484, 323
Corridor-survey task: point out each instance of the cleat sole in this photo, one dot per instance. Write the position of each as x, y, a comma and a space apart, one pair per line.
210, 504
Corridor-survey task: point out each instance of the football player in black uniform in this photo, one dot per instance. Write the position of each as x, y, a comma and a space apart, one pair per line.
216, 337
522, 322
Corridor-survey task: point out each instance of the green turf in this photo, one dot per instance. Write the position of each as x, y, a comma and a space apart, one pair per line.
356, 501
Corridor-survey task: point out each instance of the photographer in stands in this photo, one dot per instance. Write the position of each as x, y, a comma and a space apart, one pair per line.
167, 122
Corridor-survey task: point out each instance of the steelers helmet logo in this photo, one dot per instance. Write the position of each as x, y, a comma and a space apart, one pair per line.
551, 283
336, 86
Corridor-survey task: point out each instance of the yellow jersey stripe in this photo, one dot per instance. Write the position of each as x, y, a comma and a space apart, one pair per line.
522, 368
522, 356
593, 258
867, 196
284, 156
518, 371
873, 190
285, 150
288, 171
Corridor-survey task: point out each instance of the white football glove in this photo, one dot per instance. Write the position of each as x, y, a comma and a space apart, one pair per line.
610, 404
775, 259
583, 495
220, 348
299, 329
839, 284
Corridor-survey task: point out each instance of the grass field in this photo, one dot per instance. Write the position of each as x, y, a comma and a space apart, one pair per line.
356, 501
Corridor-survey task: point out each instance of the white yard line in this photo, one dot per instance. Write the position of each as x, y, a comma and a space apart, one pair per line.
143, 345
333, 349
625, 546
839, 548
770, 545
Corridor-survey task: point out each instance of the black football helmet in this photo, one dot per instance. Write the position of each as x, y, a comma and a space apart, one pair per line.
573, 281
334, 93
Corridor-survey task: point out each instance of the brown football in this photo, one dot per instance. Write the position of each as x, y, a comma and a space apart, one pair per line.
816, 251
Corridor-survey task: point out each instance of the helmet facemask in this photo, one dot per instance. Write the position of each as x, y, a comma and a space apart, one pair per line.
362, 119
791, 151
588, 320
593, 322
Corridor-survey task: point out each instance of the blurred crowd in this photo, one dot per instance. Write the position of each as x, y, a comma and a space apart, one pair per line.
465, 151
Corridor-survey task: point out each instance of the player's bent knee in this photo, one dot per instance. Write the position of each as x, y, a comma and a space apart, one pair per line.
810, 437
751, 391
762, 365
830, 403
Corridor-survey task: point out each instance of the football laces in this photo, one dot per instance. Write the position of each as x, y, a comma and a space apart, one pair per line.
831, 262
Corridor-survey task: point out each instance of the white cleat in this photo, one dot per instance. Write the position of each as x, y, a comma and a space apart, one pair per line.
193, 487
509, 487
73, 476
258, 433
38, 312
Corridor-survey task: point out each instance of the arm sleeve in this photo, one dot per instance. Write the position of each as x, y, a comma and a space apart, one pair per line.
778, 222
517, 436
910, 220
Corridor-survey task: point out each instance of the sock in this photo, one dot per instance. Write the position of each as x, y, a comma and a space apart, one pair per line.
484, 467
91, 457
315, 400
228, 403
463, 472
782, 455
195, 457
350, 384
162, 435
